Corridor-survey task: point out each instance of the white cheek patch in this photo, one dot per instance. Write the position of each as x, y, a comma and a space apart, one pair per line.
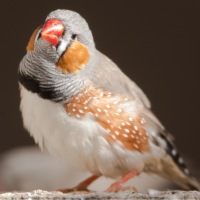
62, 47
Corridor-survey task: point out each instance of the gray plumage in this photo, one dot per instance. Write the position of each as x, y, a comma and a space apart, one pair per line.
39, 67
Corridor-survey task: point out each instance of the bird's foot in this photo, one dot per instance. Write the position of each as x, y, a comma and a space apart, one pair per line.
127, 188
119, 189
117, 186
81, 186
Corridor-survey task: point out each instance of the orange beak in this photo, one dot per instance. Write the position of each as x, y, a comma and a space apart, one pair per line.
52, 30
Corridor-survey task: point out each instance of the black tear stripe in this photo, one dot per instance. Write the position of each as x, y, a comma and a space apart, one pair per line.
46, 93
58, 45
172, 151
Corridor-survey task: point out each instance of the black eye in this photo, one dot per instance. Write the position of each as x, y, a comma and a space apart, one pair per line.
55, 24
74, 36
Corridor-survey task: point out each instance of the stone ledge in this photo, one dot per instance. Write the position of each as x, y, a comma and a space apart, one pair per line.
129, 194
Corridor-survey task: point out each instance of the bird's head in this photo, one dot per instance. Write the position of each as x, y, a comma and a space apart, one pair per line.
56, 53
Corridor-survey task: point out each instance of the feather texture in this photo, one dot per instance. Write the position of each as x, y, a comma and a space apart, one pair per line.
97, 119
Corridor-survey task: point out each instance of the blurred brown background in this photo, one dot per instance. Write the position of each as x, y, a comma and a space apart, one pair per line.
156, 43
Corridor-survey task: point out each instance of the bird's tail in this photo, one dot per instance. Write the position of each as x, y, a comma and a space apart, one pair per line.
174, 167
176, 174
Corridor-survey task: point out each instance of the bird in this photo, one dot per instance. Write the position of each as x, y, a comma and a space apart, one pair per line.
79, 106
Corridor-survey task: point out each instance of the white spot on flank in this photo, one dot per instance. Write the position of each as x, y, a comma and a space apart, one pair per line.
98, 109
125, 135
116, 132
105, 111
136, 128
101, 94
76, 98
117, 113
113, 137
80, 111
131, 119
94, 97
147, 134
126, 99
85, 107
109, 95
134, 132
145, 138
96, 115
108, 130
108, 121
119, 127
123, 124
136, 137
116, 102
85, 102
143, 121
120, 110
140, 133
128, 123
132, 136
136, 146
69, 104
108, 106
90, 97
174, 152
78, 101
127, 130
85, 91
78, 116
74, 105
138, 142
73, 110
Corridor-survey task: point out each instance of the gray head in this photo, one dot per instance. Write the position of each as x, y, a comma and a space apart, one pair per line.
75, 28
56, 53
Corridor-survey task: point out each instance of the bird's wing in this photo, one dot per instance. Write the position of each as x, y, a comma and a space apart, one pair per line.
110, 77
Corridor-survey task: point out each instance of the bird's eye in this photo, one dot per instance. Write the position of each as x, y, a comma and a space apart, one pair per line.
74, 36
55, 24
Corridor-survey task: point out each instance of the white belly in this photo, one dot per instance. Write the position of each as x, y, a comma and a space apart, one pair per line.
78, 142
